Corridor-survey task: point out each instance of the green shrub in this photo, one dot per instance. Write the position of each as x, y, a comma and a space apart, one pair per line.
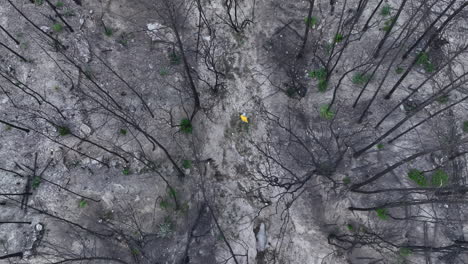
174, 58
126, 171
311, 22
388, 24
386, 10
405, 252
38, 2
108, 31
338, 38
186, 126
163, 72
36, 181
424, 61
135, 252
399, 70
187, 164
443, 99
382, 213
63, 130
322, 86
346, 180
83, 203
361, 78
57, 27
165, 228
465, 126
59, 4
164, 204
439, 178
123, 131
326, 113
380, 146
350, 227
418, 177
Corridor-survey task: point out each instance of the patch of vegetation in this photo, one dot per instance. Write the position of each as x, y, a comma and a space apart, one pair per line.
36, 181
59, 4
83, 203
350, 227
418, 177
380, 146
405, 252
439, 178
69, 13
126, 171
123, 40
465, 126
108, 31
338, 38
346, 180
388, 24
174, 58
382, 213
63, 130
386, 10
443, 99
326, 113
186, 126
361, 78
7, 128
164, 204
424, 61
163, 72
57, 88
399, 70
321, 76
123, 131
187, 164
38, 2
165, 228
290, 92
135, 252
57, 27
311, 22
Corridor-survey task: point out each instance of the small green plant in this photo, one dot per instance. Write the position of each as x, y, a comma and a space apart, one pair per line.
83, 203
443, 99
338, 38
57, 88
405, 252
164, 204
165, 228
57, 27
36, 181
7, 128
361, 78
439, 178
174, 58
68, 13
38, 2
382, 213
123, 39
326, 113
135, 252
346, 180
350, 227
186, 126
163, 72
187, 164
380, 146
108, 31
386, 10
311, 22
418, 177
123, 131
63, 130
465, 126
388, 24
59, 4
399, 70
321, 76
126, 171
424, 61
